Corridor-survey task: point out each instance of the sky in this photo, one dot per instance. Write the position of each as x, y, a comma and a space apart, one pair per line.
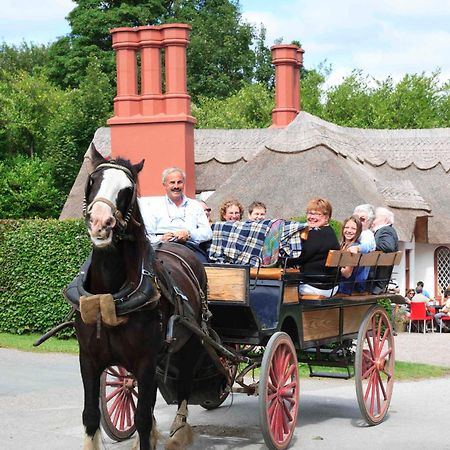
380, 37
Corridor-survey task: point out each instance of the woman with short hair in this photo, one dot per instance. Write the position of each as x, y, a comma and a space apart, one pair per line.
231, 211
318, 279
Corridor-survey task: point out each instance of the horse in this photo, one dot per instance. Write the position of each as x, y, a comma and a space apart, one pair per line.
135, 338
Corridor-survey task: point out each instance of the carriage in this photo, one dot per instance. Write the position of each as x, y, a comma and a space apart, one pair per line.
262, 323
156, 328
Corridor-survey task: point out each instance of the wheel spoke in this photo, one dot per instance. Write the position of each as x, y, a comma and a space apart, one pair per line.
113, 393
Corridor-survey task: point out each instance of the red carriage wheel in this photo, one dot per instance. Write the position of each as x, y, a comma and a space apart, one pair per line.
279, 392
118, 399
374, 365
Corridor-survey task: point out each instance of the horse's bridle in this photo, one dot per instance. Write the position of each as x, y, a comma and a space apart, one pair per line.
117, 214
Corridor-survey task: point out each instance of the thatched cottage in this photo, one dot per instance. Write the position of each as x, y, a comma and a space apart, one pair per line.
299, 157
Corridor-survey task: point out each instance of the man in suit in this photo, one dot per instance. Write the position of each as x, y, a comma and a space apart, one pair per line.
386, 240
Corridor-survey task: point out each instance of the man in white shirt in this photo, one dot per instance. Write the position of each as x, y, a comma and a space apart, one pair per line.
175, 217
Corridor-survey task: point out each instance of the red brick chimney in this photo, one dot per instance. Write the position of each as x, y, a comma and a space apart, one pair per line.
287, 60
153, 124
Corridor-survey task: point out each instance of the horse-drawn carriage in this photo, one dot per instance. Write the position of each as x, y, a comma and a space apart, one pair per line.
263, 324
160, 329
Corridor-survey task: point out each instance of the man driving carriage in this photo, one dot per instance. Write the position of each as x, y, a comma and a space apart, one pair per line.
175, 217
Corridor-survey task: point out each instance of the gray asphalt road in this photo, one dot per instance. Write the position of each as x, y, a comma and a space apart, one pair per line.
41, 402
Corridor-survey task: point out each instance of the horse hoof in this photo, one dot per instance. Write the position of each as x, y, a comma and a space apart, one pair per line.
181, 438
92, 442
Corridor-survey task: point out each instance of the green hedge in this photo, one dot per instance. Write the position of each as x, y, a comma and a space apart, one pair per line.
38, 258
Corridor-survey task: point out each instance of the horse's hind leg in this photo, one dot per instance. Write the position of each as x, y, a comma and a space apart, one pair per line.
91, 412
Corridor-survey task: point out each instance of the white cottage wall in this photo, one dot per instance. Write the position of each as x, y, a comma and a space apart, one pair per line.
424, 267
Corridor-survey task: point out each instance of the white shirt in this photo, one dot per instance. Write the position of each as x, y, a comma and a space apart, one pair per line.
367, 241
161, 215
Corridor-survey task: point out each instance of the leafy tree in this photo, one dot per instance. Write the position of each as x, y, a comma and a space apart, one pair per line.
219, 54
264, 70
251, 107
220, 60
417, 101
24, 57
72, 128
27, 189
27, 102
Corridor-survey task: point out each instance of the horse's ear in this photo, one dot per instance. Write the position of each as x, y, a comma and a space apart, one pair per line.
138, 167
96, 157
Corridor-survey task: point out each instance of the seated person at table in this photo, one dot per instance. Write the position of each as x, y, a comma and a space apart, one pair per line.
231, 211
257, 211
321, 238
351, 232
175, 217
445, 311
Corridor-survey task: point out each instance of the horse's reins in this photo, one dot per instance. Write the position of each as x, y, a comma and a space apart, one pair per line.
206, 314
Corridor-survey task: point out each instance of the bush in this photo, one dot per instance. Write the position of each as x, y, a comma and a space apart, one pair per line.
38, 259
27, 189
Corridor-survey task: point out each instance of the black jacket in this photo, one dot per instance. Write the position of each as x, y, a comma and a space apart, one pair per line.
314, 254
386, 240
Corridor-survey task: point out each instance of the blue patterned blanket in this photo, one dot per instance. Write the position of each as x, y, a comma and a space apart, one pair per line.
255, 243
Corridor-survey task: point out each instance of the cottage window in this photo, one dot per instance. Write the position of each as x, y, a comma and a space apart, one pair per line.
442, 268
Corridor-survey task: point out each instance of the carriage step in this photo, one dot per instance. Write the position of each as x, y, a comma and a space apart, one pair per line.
340, 375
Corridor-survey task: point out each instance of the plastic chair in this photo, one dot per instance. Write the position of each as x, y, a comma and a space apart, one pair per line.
443, 319
419, 313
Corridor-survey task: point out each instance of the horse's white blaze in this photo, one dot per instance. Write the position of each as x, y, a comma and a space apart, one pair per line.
101, 215
113, 181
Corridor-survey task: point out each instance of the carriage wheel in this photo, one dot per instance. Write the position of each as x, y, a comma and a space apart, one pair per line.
278, 392
374, 365
118, 400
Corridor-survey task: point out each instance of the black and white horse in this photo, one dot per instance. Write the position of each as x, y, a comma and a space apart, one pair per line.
121, 258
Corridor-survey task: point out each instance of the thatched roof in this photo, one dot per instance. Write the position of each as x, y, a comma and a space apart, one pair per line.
401, 169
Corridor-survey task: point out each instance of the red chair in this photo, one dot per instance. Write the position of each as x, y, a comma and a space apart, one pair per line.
443, 319
419, 314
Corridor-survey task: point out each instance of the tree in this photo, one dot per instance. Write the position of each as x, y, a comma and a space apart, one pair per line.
27, 102
251, 107
264, 72
24, 57
220, 60
72, 128
416, 101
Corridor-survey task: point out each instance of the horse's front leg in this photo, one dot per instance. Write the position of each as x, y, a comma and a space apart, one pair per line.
90, 375
143, 417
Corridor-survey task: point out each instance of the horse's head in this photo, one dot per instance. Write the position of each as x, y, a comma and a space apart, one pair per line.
109, 197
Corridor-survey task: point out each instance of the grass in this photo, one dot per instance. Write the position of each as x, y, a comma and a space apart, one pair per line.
403, 370
24, 342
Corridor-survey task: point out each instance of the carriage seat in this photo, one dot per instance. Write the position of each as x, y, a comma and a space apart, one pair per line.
341, 258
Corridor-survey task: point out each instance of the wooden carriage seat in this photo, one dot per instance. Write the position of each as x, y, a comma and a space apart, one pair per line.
270, 273
341, 258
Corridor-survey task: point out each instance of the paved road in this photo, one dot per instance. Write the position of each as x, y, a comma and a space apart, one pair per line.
41, 402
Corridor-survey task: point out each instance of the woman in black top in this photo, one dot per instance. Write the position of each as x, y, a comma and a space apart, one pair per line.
318, 279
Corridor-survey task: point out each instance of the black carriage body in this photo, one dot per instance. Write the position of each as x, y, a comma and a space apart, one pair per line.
269, 306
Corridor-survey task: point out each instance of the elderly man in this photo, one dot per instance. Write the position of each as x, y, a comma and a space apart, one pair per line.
366, 214
175, 217
386, 240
